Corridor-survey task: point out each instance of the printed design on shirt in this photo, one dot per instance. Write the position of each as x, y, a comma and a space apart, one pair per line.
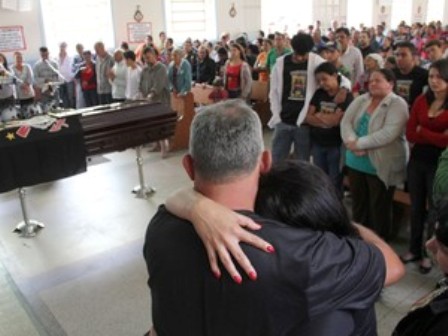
298, 85
328, 107
404, 88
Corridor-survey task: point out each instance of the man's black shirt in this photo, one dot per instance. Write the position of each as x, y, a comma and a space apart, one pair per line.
366, 51
206, 71
312, 279
431, 319
324, 103
294, 89
411, 85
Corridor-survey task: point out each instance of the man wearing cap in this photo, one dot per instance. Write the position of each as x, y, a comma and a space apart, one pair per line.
292, 86
351, 56
331, 53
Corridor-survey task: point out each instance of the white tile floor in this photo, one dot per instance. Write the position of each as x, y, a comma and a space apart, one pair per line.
84, 273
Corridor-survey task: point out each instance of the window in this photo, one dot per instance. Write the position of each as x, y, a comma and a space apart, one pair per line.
80, 21
401, 11
190, 18
328, 10
274, 17
359, 12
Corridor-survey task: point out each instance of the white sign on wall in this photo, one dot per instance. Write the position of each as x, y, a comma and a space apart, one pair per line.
12, 38
419, 11
137, 31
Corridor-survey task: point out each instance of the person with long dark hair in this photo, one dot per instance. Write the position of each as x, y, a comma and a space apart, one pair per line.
299, 194
334, 274
427, 130
87, 76
324, 117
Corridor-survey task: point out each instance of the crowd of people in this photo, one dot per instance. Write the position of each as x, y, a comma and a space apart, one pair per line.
368, 103
374, 103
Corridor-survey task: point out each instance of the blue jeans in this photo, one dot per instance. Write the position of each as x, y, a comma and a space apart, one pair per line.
328, 158
284, 136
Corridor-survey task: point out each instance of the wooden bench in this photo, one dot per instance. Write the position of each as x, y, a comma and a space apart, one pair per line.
184, 107
260, 100
201, 94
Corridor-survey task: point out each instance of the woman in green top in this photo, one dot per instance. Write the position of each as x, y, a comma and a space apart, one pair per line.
373, 131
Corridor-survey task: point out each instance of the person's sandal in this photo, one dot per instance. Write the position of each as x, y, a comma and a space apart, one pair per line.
408, 258
425, 266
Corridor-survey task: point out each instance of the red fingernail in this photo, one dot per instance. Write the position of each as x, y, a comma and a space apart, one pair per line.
217, 275
270, 249
253, 276
237, 279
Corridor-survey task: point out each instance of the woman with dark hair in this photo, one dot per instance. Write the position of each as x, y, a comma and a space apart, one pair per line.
386, 48
324, 117
390, 63
427, 130
87, 76
429, 315
299, 194
237, 74
373, 130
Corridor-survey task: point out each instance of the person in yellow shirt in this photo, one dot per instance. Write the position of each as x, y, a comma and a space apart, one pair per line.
261, 62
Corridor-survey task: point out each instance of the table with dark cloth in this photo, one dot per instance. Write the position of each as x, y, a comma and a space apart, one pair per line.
41, 157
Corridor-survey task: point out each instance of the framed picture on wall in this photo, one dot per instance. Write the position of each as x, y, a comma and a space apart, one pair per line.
12, 38
137, 31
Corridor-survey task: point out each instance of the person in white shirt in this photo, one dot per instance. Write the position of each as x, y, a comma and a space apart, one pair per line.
46, 74
24, 89
351, 56
66, 90
133, 76
117, 77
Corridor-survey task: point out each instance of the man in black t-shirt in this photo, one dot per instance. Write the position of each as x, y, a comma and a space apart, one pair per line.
365, 44
291, 88
411, 79
290, 93
312, 280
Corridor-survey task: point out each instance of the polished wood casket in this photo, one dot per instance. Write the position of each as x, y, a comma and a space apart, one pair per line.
118, 126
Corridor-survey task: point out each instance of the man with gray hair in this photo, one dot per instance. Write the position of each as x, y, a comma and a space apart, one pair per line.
290, 292
103, 65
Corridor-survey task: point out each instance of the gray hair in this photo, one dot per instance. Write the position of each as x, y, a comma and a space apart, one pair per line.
179, 52
226, 141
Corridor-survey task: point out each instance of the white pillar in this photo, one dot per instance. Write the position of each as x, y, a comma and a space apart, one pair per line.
419, 11
382, 12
